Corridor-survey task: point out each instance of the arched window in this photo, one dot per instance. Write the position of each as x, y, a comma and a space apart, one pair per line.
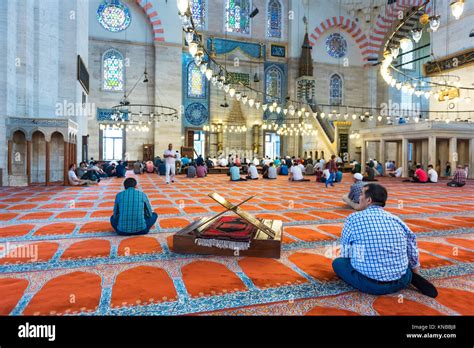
274, 16
407, 59
199, 10
335, 90
196, 82
273, 84
113, 71
237, 16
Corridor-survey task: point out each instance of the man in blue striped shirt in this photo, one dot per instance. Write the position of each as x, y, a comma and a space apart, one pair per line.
379, 254
133, 214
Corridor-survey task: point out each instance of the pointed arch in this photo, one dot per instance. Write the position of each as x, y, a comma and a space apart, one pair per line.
346, 24
152, 14
384, 24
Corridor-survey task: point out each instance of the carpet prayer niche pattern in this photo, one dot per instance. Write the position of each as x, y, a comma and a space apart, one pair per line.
61, 257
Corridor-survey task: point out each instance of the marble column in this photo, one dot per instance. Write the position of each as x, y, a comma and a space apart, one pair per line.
453, 153
10, 157
471, 158
363, 154
28, 161
48, 162
381, 158
405, 157
432, 150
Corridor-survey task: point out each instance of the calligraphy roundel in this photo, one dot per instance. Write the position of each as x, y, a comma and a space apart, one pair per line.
196, 114
336, 45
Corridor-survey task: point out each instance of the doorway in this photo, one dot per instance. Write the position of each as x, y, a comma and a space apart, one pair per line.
272, 145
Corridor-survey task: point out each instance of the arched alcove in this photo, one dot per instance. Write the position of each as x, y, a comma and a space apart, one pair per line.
38, 158
19, 153
56, 173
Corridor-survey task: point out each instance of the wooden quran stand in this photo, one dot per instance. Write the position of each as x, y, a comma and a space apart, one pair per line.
265, 243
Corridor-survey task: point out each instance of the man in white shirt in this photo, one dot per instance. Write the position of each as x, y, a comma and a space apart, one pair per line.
432, 174
223, 162
170, 162
253, 172
75, 181
397, 173
296, 174
301, 166
256, 161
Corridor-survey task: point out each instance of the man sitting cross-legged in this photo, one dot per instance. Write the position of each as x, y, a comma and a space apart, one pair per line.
459, 178
133, 214
352, 199
379, 254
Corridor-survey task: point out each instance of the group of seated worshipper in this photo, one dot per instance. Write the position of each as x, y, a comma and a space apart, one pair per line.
117, 169
75, 181
133, 214
143, 167
379, 253
196, 170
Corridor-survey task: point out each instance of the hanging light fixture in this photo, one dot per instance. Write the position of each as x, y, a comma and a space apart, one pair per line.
416, 34
183, 7
457, 8
435, 22
404, 43
193, 48
395, 51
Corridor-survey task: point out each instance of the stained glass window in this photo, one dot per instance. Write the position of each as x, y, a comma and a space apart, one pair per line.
273, 82
114, 16
274, 19
336, 45
237, 16
335, 90
196, 82
199, 10
113, 71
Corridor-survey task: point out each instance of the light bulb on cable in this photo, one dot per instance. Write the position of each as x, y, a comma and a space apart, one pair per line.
404, 43
435, 23
457, 8
416, 34
183, 6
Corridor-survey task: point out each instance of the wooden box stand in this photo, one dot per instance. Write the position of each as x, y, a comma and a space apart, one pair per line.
266, 242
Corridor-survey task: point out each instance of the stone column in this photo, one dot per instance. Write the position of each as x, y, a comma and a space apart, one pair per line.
363, 154
66, 163
471, 158
432, 150
405, 157
381, 158
10, 157
28, 161
453, 153
48, 164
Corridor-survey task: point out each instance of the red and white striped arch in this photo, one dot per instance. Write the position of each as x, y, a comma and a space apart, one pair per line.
152, 14
384, 24
348, 25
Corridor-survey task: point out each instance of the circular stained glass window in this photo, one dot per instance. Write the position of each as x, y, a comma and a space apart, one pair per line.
336, 45
114, 16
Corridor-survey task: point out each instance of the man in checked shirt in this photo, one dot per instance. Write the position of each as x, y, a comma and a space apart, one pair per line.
379, 254
133, 214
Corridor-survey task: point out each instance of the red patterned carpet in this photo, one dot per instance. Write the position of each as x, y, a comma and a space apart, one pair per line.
60, 256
